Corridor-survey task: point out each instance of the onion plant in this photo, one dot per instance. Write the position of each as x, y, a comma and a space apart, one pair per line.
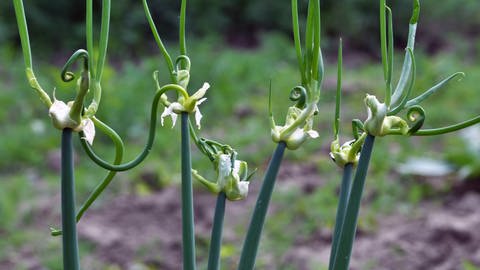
382, 120
298, 125
399, 114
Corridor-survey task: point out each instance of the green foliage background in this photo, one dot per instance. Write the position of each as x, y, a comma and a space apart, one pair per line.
240, 22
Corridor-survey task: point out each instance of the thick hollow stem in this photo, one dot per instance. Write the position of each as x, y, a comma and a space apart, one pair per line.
347, 232
342, 205
252, 240
69, 224
188, 233
217, 230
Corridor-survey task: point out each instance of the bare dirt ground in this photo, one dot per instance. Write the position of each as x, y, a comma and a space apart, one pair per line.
132, 230
440, 235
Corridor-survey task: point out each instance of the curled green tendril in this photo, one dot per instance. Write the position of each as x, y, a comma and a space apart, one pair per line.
81, 54
182, 62
182, 71
299, 95
448, 129
151, 134
415, 118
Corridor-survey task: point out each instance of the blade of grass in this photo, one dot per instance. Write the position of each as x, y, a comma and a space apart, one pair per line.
69, 224
217, 230
188, 233
252, 239
347, 232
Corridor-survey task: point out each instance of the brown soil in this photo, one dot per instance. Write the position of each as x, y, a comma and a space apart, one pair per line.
131, 230
436, 235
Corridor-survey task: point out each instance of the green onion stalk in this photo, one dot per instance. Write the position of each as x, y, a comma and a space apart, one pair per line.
346, 236
345, 190
298, 125
69, 224
188, 232
252, 239
217, 230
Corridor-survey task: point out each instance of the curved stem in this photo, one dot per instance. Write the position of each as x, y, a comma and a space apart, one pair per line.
119, 150
447, 129
349, 226
160, 44
216, 239
252, 239
188, 233
345, 189
151, 135
69, 226
27, 52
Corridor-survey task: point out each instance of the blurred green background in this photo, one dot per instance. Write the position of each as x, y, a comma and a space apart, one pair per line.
238, 46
